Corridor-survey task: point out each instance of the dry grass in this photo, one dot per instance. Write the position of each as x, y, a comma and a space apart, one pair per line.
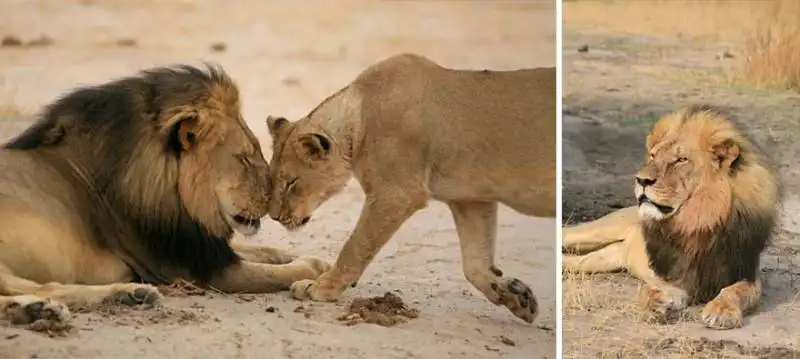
722, 21
764, 33
772, 51
616, 329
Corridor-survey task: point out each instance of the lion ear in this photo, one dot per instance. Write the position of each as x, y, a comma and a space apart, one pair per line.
183, 125
315, 146
726, 152
276, 125
187, 134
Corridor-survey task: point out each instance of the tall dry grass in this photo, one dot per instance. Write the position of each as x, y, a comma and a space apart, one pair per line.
772, 51
765, 33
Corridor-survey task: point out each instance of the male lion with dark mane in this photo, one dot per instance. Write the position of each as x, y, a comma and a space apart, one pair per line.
411, 131
707, 205
143, 179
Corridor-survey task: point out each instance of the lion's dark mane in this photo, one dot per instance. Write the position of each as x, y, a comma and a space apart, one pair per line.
98, 127
732, 256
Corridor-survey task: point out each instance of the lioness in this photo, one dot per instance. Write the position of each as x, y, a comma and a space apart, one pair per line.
411, 130
707, 205
140, 179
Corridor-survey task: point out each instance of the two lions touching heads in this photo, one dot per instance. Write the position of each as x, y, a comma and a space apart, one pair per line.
145, 179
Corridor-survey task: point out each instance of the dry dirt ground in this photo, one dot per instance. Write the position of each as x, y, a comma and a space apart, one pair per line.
646, 59
287, 57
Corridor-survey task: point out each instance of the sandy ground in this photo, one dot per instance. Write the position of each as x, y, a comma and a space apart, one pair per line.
286, 58
645, 61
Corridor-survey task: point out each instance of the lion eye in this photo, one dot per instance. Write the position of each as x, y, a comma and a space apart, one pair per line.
244, 160
682, 159
290, 184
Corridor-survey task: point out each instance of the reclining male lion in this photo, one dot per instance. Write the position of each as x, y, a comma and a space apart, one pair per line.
707, 206
140, 179
411, 130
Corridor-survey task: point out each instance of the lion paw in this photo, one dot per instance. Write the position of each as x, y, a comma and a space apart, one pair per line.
315, 266
660, 306
721, 314
39, 314
517, 297
314, 290
138, 295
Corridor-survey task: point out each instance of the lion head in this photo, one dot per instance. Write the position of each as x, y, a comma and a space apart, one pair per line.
216, 160
697, 166
169, 166
308, 167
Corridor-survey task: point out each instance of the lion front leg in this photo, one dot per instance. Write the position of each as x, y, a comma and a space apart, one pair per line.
262, 253
380, 218
253, 277
660, 300
726, 310
46, 306
476, 224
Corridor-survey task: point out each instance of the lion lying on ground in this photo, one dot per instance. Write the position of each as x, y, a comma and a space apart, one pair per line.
141, 179
707, 205
411, 130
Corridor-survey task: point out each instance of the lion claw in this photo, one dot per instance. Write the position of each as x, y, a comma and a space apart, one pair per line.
720, 315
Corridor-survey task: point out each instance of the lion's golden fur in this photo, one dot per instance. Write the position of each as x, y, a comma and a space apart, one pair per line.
411, 130
144, 178
708, 201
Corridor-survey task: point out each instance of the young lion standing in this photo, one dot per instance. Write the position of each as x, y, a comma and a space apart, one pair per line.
411, 130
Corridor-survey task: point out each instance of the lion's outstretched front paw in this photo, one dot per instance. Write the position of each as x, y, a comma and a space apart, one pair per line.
660, 306
39, 314
137, 295
722, 314
517, 297
315, 290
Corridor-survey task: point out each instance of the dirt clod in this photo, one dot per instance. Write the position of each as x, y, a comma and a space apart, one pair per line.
127, 42
507, 341
387, 311
487, 347
42, 41
271, 309
11, 41
218, 47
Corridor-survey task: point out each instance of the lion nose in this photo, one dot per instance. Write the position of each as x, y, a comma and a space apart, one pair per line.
644, 182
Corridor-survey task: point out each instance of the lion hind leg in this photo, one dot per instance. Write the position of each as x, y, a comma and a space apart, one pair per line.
611, 228
81, 296
726, 310
607, 259
476, 225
